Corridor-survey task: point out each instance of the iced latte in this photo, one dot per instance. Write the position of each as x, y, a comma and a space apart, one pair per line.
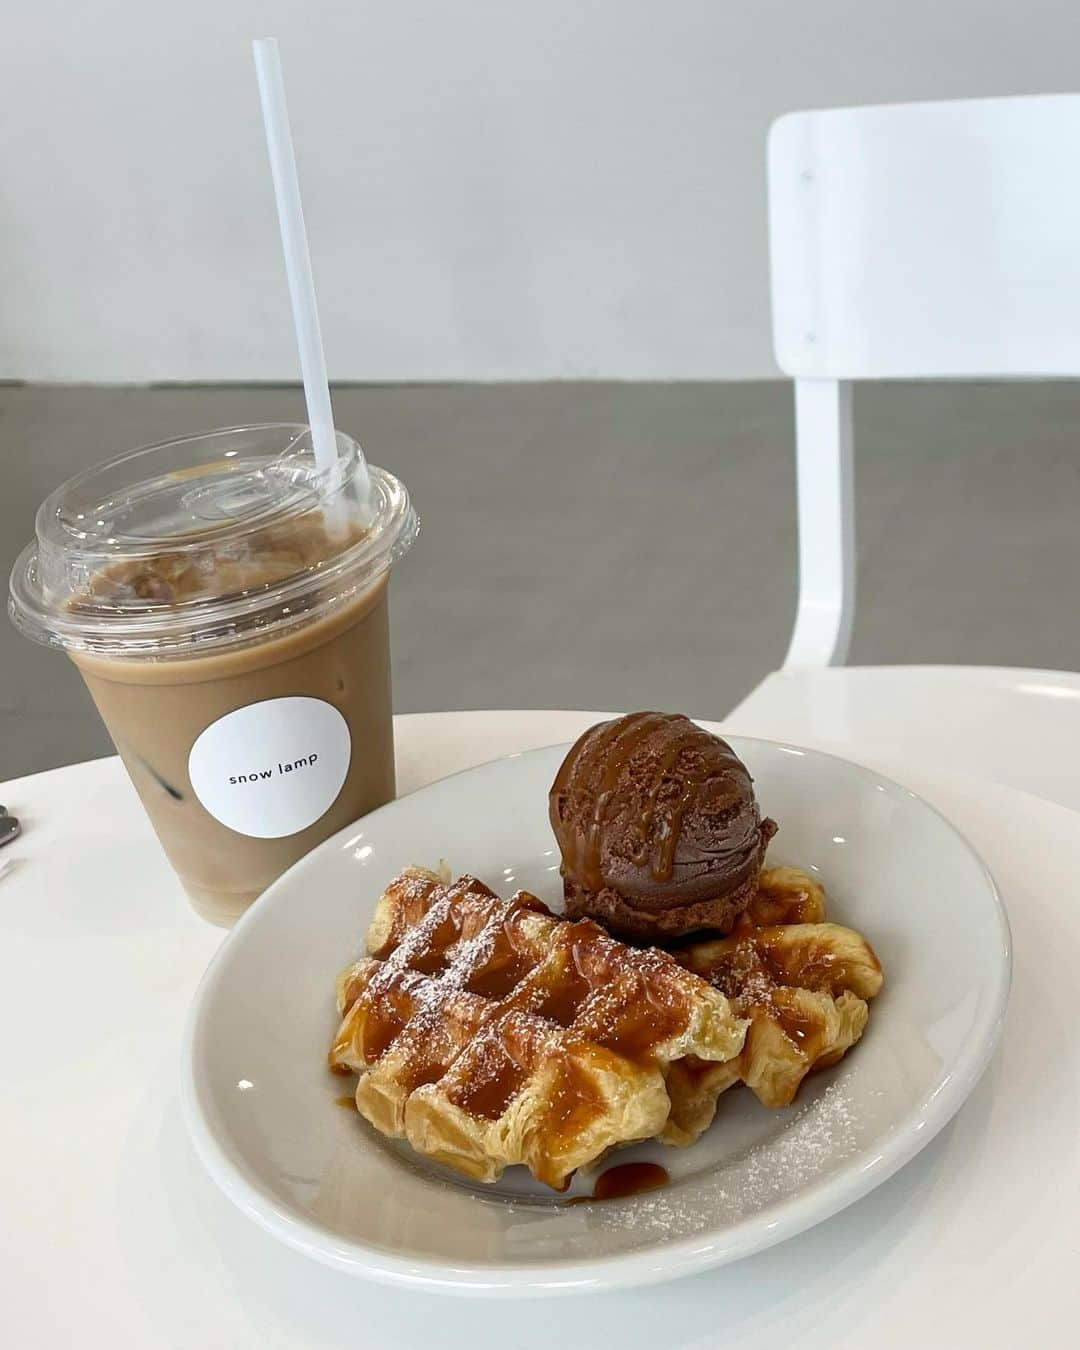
226, 605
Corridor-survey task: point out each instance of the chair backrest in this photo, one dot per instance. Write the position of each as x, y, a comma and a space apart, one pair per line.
911, 241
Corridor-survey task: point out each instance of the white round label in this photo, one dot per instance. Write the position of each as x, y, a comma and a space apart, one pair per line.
272, 768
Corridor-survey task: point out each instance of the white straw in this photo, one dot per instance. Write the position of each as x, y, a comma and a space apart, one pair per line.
297, 258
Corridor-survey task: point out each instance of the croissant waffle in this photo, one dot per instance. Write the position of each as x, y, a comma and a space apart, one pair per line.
490, 1032
802, 982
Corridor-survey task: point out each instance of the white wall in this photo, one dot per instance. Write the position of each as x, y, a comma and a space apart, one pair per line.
496, 189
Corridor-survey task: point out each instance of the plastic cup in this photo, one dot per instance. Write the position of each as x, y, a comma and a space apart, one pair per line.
225, 601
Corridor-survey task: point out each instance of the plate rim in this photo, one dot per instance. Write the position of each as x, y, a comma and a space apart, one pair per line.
656, 1264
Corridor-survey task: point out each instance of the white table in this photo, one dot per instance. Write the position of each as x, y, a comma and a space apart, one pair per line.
995, 722
113, 1236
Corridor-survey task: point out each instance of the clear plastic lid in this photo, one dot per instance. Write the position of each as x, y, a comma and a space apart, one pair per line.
206, 541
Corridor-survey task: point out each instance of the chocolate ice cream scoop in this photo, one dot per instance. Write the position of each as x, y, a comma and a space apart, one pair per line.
658, 828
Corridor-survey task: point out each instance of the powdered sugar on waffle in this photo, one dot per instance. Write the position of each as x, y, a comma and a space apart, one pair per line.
495, 1032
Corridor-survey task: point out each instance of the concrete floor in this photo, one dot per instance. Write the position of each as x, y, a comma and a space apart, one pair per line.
621, 546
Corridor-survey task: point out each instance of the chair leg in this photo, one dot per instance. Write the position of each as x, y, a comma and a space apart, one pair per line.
825, 475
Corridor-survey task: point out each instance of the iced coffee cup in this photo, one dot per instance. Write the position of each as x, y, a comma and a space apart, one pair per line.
225, 601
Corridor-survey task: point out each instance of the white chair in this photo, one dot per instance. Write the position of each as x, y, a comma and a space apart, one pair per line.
916, 240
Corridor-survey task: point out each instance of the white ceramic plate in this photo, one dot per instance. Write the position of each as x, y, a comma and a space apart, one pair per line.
263, 1112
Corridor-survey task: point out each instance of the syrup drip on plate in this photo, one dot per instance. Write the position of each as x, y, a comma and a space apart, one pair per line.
625, 1179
